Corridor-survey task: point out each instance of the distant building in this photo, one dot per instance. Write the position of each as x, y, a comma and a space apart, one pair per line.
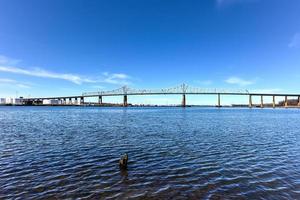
18, 101
12, 101
51, 102
9, 101
2, 100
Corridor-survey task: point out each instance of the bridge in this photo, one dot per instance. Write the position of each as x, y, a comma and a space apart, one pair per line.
182, 89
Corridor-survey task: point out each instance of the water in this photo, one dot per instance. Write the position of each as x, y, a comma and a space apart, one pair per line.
174, 153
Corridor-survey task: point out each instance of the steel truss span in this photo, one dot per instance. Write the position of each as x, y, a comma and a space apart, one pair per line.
182, 89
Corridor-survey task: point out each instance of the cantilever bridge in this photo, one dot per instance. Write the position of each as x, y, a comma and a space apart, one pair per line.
182, 89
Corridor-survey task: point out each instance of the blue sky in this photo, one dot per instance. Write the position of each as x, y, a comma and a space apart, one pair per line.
69, 47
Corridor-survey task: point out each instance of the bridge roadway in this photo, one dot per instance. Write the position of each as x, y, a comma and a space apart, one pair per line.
178, 90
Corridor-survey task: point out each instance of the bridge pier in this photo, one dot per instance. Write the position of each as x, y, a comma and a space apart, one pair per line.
76, 101
100, 100
63, 101
125, 101
298, 100
274, 105
219, 100
81, 100
261, 101
250, 101
70, 101
37, 102
285, 101
183, 103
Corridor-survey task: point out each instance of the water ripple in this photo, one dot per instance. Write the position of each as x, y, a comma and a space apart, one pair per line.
174, 153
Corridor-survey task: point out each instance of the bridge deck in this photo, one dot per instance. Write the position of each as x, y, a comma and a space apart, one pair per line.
188, 93
182, 89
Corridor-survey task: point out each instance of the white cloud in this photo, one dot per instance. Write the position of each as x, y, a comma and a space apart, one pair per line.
9, 65
117, 78
5, 81
295, 41
239, 81
37, 72
4, 60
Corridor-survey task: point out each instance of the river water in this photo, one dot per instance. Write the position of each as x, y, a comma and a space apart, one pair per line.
174, 153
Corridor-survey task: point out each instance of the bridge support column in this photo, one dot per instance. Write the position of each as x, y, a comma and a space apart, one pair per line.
59, 101
37, 101
63, 101
274, 105
125, 101
81, 100
76, 101
261, 101
70, 101
298, 100
250, 101
285, 101
183, 103
100, 100
219, 101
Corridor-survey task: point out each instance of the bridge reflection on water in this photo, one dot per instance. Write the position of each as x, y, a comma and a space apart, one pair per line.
182, 89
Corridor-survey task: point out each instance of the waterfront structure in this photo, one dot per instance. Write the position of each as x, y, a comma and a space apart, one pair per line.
51, 102
11, 101
183, 90
17, 101
2, 100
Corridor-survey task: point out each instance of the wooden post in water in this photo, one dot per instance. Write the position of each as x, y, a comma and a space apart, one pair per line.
261, 101
183, 103
274, 102
125, 101
250, 101
285, 102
